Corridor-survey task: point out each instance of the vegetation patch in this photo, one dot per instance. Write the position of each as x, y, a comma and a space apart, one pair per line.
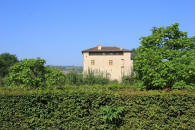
81, 110
166, 59
159, 94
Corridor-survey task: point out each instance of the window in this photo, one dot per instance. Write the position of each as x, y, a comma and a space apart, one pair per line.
95, 53
110, 62
92, 62
118, 53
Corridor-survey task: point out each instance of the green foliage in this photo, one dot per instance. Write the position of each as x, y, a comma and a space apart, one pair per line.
133, 54
95, 78
2, 81
115, 86
183, 85
54, 77
29, 73
6, 61
165, 58
89, 111
74, 78
129, 79
133, 82
113, 115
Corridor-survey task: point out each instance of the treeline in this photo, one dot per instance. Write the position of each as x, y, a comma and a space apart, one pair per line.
165, 60
67, 68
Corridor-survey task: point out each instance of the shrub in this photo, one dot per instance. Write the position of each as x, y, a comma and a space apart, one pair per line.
115, 86
55, 77
29, 73
97, 111
113, 115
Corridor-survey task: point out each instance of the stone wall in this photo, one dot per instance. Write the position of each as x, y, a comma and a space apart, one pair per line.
122, 64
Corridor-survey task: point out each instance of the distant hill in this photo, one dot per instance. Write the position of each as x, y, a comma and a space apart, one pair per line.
68, 68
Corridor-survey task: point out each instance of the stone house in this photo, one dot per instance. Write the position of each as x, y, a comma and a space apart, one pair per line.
114, 62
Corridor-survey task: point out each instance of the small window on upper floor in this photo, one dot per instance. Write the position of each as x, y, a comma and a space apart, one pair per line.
110, 62
92, 62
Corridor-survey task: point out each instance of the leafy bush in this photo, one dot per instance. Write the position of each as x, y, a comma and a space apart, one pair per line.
183, 85
84, 111
29, 73
113, 115
115, 86
55, 77
165, 58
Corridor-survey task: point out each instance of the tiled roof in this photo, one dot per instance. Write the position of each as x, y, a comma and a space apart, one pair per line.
106, 49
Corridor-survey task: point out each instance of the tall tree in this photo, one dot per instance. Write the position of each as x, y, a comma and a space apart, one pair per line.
6, 61
166, 59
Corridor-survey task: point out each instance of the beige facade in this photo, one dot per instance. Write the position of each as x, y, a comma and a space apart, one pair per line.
111, 61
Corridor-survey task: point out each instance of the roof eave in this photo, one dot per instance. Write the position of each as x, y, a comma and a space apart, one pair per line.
107, 51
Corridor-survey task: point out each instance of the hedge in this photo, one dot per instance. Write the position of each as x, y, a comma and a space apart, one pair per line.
97, 111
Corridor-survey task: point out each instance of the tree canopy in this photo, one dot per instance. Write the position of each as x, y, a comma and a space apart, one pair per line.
166, 59
6, 61
31, 73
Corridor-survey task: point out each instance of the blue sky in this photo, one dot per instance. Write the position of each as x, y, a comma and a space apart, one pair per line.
57, 30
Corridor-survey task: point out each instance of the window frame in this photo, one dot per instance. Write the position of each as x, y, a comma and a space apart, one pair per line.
92, 62
110, 62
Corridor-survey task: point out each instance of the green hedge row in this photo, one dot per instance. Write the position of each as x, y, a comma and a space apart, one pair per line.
84, 111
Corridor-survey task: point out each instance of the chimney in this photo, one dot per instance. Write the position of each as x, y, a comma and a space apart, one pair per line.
121, 48
99, 47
